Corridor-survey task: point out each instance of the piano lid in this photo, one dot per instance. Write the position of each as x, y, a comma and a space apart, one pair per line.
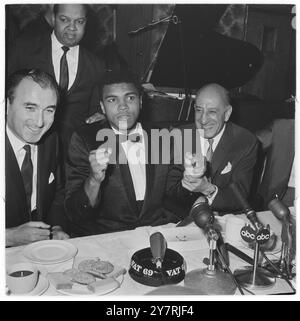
193, 54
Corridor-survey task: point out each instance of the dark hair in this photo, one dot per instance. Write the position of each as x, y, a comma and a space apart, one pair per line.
37, 75
85, 6
120, 76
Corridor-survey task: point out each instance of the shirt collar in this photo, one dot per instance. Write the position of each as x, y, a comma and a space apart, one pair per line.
137, 130
56, 46
216, 138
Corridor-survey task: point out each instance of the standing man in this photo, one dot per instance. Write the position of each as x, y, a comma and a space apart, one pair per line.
110, 191
228, 155
34, 200
77, 71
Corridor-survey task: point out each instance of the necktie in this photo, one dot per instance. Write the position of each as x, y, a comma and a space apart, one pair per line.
209, 152
27, 172
64, 72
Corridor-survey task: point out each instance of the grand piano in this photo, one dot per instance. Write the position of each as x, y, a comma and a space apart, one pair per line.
192, 54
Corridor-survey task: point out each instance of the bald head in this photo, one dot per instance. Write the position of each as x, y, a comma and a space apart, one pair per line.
212, 109
215, 91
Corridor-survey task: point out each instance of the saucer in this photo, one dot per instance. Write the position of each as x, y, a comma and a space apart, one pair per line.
41, 286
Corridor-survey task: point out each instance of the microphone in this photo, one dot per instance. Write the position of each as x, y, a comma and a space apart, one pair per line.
204, 218
158, 246
202, 213
279, 209
250, 213
282, 213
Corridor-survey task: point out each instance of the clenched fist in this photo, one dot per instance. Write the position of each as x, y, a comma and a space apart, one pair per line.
99, 160
195, 166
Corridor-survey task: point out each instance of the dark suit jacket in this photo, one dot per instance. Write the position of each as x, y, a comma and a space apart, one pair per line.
82, 99
49, 194
278, 141
117, 209
238, 147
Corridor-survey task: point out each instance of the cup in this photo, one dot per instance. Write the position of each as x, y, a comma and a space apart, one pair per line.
21, 278
233, 228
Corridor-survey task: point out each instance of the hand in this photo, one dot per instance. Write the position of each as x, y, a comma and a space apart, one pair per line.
99, 160
194, 166
58, 233
197, 185
94, 118
27, 233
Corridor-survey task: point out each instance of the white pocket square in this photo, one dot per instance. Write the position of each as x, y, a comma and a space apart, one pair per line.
227, 168
51, 178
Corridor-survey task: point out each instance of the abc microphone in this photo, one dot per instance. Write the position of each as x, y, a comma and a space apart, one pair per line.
158, 246
250, 213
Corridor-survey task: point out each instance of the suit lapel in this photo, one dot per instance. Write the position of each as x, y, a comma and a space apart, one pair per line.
79, 68
45, 54
223, 149
43, 165
150, 168
13, 173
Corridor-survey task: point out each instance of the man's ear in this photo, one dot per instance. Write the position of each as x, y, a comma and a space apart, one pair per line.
228, 112
102, 107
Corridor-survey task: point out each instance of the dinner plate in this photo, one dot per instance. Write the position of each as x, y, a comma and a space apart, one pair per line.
41, 286
50, 251
80, 289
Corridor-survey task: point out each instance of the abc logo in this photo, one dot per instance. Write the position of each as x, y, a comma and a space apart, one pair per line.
263, 236
248, 234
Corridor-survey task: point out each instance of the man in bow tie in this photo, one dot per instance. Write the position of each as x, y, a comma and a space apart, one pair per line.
34, 199
110, 184
227, 154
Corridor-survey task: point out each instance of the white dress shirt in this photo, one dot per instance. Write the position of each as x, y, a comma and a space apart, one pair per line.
135, 154
17, 146
72, 59
204, 148
205, 144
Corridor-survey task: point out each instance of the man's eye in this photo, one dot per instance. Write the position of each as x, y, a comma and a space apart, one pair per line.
81, 22
50, 110
63, 19
111, 100
30, 108
131, 97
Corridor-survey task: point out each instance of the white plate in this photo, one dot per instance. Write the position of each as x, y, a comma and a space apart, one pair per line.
50, 251
40, 288
79, 289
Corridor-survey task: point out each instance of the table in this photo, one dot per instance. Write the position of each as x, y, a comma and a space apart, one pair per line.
119, 247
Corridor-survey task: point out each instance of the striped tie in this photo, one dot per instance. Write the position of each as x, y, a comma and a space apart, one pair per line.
209, 154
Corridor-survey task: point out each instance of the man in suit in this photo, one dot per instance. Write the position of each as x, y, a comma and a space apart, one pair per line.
278, 142
34, 200
77, 71
110, 185
226, 153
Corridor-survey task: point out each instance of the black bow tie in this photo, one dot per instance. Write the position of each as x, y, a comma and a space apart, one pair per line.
134, 138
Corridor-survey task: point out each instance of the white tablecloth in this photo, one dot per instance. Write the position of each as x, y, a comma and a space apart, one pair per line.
119, 247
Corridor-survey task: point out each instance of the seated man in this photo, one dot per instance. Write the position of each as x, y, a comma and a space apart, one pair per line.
278, 141
110, 191
34, 200
227, 154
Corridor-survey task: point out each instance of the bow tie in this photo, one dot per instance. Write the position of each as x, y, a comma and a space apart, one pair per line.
134, 138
